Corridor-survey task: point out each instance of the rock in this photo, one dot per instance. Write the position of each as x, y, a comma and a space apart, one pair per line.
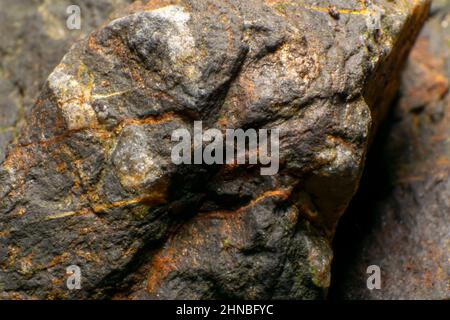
400, 219
34, 38
91, 182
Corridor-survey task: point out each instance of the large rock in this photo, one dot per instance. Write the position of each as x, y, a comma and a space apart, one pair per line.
91, 182
405, 200
33, 40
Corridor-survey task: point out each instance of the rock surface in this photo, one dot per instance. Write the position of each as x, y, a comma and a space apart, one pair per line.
33, 40
406, 228
91, 183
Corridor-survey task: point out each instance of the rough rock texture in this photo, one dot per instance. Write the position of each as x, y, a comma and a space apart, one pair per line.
33, 39
91, 183
401, 218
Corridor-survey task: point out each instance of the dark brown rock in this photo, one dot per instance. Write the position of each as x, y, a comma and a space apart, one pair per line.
401, 218
91, 182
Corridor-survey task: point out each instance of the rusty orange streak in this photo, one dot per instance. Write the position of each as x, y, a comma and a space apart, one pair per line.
154, 198
279, 193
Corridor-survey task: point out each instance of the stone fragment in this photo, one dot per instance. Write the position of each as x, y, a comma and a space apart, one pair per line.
90, 181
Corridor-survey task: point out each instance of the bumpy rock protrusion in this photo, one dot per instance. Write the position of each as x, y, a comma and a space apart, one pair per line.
406, 194
33, 40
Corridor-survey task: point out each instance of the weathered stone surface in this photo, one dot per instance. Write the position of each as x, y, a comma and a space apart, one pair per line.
33, 39
90, 181
400, 220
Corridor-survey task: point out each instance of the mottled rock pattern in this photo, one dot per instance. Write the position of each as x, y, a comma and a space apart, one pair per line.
90, 181
33, 39
406, 231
